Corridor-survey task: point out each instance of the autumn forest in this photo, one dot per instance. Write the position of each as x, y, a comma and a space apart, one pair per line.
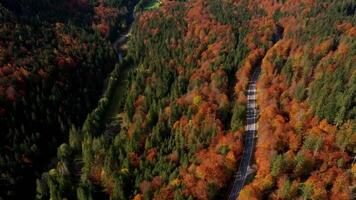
178, 99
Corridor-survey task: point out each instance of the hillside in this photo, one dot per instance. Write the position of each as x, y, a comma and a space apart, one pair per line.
170, 122
49, 51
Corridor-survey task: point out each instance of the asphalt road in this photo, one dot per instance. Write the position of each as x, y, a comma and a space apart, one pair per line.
250, 131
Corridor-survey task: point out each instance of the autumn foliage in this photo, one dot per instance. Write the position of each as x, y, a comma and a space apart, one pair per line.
176, 128
297, 153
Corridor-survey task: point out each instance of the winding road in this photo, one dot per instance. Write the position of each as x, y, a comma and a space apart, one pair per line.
118, 97
124, 36
250, 132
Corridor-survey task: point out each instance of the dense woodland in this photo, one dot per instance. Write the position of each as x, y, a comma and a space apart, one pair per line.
54, 60
171, 117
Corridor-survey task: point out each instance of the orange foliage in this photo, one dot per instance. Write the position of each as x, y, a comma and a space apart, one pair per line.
134, 159
242, 76
145, 187
105, 16
323, 47
138, 197
285, 123
212, 168
151, 154
249, 193
102, 28
340, 189
347, 28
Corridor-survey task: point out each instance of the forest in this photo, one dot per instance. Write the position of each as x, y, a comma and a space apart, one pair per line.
168, 120
55, 57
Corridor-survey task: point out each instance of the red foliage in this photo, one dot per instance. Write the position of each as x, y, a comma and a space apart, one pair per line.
151, 154
11, 93
212, 168
243, 75
134, 159
102, 28
145, 187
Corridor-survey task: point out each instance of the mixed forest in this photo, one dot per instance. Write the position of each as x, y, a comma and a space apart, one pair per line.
55, 57
167, 121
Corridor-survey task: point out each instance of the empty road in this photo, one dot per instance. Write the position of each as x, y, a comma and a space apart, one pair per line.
250, 131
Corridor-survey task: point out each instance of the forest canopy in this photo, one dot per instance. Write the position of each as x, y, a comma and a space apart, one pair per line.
168, 120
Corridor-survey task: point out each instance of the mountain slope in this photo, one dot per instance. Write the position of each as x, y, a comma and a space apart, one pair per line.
179, 124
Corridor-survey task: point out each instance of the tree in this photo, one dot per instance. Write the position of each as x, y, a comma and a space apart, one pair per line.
74, 138
346, 137
306, 191
84, 191
300, 92
63, 152
238, 117
303, 165
42, 187
287, 189
54, 190
278, 165
313, 143
118, 192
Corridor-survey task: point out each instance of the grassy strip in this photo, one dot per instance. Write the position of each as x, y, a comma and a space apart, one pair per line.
152, 4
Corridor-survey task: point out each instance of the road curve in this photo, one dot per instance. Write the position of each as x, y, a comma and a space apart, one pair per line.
250, 131
124, 36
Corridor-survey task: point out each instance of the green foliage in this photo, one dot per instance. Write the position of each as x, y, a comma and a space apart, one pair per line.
287, 191
65, 64
151, 4
150, 111
224, 150
233, 15
238, 117
332, 94
118, 192
346, 138
84, 191
288, 70
320, 26
64, 152
58, 184
306, 191
197, 100
313, 143
277, 15
303, 166
153, 121
42, 187
278, 165
74, 138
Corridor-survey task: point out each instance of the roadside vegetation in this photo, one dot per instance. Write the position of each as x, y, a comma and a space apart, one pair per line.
169, 125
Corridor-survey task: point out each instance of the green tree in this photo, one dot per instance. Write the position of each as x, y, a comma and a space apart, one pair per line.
278, 165
84, 191
74, 138
238, 117
63, 152
302, 165
306, 191
118, 192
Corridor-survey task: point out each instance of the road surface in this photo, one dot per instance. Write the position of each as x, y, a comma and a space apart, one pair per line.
118, 98
124, 36
250, 132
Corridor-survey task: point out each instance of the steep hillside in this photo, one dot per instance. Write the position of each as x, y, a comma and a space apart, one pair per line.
178, 134
53, 67
175, 134
170, 122
306, 94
